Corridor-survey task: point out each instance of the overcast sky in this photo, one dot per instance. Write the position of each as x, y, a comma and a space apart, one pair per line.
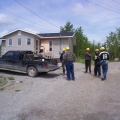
97, 22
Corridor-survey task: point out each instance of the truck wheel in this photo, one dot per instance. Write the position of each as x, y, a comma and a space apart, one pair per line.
32, 71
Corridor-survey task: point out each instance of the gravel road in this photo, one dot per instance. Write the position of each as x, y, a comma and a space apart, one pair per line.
51, 97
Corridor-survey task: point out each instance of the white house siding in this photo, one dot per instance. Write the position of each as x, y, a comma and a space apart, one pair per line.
14, 36
57, 47
70, 44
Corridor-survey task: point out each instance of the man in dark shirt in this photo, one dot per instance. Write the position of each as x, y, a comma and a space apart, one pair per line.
104, 57
96, 58
88, 55
62, 60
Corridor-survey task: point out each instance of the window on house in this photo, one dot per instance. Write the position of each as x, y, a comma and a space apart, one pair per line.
19, 32
19, 41
28, 41
50, 45
10, 42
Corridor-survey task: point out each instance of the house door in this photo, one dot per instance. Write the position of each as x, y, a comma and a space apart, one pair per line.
37, 46
3, 48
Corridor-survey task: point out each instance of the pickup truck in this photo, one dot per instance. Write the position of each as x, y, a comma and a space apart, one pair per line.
26, 62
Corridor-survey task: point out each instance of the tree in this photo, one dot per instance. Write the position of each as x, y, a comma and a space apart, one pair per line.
67, 28
112, 44
81, 40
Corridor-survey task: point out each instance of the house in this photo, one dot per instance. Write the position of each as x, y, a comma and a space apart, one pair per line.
24, 40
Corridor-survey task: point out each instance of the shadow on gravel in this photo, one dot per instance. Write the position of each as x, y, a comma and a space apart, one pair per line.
48, 75
12, 73
42, 75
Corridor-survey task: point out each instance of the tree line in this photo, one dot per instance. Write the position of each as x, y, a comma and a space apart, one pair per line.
112, 43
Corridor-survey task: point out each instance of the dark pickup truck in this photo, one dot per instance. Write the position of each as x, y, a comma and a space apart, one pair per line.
27, 62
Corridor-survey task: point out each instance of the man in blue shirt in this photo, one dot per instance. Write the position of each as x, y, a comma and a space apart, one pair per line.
104, 57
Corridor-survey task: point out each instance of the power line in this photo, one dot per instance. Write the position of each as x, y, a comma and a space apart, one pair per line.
24, 18
116, 1
36, 14
22, 21
108, 5
102, 6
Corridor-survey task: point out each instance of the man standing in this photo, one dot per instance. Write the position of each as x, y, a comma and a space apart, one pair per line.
96, 58
62, 60
69, 59
88, 55
104, 57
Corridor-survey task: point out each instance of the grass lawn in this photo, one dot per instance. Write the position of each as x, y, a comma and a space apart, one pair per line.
82, 60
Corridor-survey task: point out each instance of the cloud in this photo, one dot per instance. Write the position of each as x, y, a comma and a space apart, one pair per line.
96, 37
3, 33
43, 3
5, 20
80, 9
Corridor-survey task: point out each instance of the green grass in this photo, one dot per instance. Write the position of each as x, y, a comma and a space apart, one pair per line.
3, 81
17, 90
1, 89
1, 76
82, 60
113, 61
11, 78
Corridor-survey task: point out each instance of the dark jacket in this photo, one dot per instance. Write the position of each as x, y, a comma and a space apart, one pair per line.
61, 57
96, 58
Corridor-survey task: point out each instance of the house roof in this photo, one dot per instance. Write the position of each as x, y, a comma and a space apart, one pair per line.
68, 34
44, 35
18, 30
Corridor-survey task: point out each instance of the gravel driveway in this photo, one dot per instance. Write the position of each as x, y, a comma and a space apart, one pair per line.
51, 97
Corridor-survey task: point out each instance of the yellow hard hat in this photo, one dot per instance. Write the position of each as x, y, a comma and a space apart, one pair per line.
63, 49
88, 49
97, 50
67, 48
102, 48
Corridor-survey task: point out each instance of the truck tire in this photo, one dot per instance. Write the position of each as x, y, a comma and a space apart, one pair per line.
32, 71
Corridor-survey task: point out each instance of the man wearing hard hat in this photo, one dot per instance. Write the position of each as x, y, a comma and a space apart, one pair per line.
96, 58
104, 57
88, 55
62, 60
69, 59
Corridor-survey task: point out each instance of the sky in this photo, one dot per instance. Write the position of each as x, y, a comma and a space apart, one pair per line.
96, 17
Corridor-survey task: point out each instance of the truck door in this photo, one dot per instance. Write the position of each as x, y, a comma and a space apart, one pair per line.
16, 60
8, 60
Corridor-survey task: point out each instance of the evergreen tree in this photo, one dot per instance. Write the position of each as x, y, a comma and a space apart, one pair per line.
67, 28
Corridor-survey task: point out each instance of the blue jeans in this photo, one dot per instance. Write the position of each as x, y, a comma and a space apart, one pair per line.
104, 68
70, 70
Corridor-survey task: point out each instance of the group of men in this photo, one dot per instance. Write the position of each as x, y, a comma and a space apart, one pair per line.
100, 59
